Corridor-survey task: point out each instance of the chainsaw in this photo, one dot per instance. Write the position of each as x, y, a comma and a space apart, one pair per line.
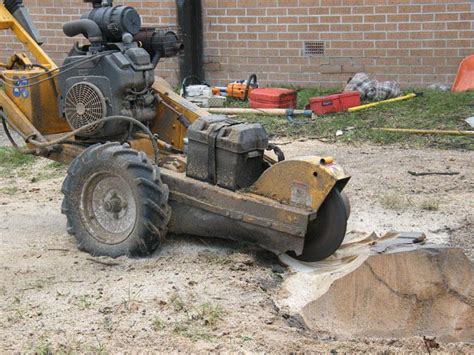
240, 89
201, 93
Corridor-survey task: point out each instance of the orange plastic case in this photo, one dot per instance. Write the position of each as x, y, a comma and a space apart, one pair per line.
273, 98
465, 78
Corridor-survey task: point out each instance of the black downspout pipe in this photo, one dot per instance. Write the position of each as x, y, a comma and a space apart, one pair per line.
190, 23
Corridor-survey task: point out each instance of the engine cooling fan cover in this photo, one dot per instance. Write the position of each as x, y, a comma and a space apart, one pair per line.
84, 103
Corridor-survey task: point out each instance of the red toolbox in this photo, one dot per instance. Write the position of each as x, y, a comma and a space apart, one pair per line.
334, 103
350, 99
272, 98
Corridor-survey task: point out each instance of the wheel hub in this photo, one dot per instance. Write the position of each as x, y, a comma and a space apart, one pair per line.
108, 208
114, 204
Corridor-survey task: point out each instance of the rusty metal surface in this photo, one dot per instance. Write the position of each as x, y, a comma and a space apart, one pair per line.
173, 162
63, 153
241, 206
242, 215
207, 210
191, 220
303, 182
142, 144
18, 59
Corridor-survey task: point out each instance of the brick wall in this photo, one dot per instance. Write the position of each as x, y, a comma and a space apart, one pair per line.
50, 15
415, 42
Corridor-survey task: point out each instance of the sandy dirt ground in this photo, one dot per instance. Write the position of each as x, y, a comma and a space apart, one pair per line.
200, 294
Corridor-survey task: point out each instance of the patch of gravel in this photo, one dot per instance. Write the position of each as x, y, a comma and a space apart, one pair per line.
204, 294
4, 142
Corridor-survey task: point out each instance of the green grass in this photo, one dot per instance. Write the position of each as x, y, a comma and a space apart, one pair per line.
192, 332
9, 190
208, 314
158, 323
56, 165
43, 348
53, 170
14, 163
430, 205
84, 302
10, 158
394, 201
196, 322
177, 302
433, 110
397, 202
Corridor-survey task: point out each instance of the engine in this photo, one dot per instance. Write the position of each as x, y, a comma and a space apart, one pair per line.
113, 74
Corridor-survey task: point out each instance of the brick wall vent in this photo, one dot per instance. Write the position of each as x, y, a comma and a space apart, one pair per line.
313, 48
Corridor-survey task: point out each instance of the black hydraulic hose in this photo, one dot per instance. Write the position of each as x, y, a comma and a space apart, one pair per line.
87, 126
63, 69
53, 83
41, 66
9, 136
52, 76
7, 131
65, 137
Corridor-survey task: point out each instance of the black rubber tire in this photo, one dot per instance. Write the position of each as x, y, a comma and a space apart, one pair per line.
347, 203
141, 181
326, 233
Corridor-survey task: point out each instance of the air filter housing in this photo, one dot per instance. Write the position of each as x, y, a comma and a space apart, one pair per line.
84, 104
114, 21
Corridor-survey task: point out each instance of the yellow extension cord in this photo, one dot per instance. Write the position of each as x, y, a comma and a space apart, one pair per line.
373, 104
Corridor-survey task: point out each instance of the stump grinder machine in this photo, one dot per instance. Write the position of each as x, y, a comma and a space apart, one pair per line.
144, 161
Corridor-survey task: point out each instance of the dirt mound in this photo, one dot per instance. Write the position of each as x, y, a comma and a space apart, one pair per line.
397, 290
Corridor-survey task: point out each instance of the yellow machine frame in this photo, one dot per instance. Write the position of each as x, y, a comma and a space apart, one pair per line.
284, 199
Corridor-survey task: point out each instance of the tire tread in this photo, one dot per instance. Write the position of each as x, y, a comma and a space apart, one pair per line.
152, 195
